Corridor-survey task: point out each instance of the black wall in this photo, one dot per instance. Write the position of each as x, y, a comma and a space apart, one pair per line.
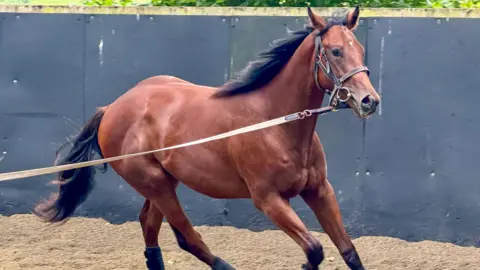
409, 172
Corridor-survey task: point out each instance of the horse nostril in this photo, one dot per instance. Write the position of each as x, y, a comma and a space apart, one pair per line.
369, 103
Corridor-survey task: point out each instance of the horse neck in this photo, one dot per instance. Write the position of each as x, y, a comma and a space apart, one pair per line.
294, 90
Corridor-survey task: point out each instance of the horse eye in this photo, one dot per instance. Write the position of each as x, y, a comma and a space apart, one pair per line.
336, 52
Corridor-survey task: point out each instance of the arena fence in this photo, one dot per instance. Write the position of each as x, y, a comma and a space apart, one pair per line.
411, 171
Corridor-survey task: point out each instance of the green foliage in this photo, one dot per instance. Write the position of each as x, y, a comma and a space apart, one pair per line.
300, 3
15, 2
107, 2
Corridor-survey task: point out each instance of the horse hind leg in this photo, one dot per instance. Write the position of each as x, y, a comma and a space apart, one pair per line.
149, 178
187, 238
151, 220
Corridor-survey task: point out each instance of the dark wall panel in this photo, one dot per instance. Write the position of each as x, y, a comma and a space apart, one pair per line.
123, 50
41, 98
421, 147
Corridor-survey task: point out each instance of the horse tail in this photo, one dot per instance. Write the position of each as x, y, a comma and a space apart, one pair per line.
75, 184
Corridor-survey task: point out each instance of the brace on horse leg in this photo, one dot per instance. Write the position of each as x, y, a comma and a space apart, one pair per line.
151, 220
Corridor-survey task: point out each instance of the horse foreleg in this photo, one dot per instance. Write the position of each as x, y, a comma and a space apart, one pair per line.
151, 221
322, 201
281, 213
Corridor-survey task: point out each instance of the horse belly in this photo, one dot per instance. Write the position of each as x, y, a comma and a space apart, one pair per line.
206, 174
219, 188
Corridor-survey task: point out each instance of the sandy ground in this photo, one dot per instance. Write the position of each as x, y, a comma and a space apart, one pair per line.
26, 243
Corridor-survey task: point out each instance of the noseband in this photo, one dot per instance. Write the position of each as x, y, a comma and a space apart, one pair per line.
335, 101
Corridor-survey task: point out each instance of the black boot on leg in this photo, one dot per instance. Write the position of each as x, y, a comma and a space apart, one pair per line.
154, 258
220, 264
352, 259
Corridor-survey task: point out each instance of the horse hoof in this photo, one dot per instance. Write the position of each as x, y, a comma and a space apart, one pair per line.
220, 264
305, 266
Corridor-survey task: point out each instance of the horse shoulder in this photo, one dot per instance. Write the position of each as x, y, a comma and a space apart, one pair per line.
268, 162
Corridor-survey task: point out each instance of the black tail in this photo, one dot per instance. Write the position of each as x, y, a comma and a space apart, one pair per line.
75, 184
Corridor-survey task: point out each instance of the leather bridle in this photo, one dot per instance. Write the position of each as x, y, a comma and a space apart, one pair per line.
336, 101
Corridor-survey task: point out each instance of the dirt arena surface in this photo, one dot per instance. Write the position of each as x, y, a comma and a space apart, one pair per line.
81, 243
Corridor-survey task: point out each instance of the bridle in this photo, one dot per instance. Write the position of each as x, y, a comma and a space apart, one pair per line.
336, 101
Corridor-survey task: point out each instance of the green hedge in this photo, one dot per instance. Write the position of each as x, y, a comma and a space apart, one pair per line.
300, 3
264, 3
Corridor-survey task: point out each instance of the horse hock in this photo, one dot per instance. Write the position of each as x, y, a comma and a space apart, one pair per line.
218, 263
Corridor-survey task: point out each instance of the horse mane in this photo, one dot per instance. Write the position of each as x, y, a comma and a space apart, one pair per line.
268, 64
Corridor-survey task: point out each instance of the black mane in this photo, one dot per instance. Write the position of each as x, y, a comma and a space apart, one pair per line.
269, 63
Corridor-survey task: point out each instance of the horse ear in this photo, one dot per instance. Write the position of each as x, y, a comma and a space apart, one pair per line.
315, 20
352, 19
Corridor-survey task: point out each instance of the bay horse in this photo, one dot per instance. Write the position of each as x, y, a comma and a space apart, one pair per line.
269, 166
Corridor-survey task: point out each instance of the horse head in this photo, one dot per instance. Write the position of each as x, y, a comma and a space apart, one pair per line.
339, 68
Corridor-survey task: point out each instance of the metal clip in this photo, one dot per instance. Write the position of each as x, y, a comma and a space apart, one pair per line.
307, 113
294, 116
